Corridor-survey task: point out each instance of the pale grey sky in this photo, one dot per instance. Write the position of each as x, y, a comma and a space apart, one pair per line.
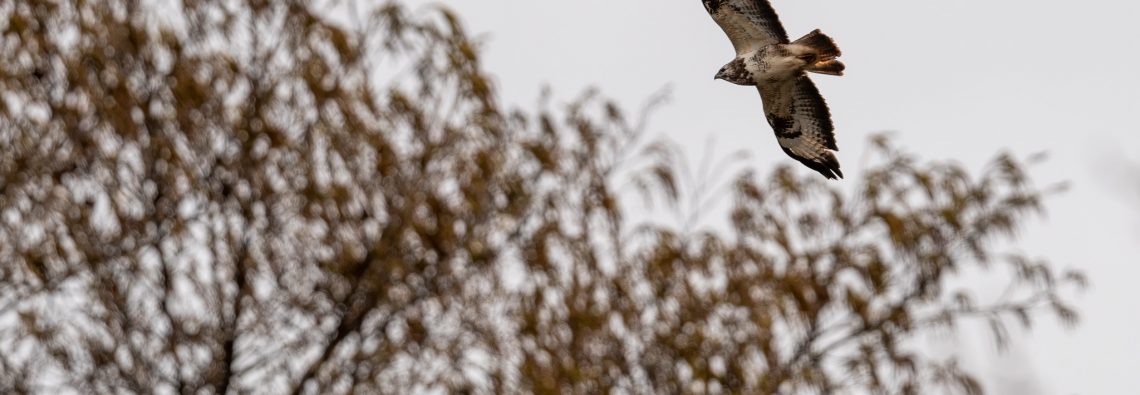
956, 80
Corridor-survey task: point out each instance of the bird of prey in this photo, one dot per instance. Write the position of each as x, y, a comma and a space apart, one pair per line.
776, 67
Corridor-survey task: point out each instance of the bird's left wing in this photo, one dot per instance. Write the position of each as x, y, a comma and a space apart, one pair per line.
749, 24
802, 122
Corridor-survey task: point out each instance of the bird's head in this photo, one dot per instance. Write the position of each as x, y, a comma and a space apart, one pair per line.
735, 72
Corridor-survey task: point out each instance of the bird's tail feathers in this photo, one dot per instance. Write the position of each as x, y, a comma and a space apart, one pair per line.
823, 45
825, 52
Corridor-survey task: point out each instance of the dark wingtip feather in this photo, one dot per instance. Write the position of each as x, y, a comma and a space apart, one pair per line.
826, 165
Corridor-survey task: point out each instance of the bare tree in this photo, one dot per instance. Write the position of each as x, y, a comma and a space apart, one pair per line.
257, 197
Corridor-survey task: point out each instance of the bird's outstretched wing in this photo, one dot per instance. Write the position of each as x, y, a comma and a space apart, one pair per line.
802, 123
749, 24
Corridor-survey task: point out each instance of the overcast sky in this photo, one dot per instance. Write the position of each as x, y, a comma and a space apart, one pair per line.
955, 80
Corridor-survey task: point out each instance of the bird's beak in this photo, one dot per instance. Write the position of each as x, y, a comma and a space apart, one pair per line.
719, 75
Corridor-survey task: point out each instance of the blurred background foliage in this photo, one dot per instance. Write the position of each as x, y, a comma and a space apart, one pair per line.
213, 196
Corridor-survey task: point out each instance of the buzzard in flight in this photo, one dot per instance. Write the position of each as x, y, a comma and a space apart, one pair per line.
766, 59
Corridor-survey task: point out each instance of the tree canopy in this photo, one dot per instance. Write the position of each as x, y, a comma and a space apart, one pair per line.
213, 196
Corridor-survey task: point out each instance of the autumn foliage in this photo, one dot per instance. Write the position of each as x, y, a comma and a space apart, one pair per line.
328, 197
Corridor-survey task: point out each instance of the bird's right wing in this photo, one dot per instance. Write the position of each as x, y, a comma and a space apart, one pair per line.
749, 24
799, 116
